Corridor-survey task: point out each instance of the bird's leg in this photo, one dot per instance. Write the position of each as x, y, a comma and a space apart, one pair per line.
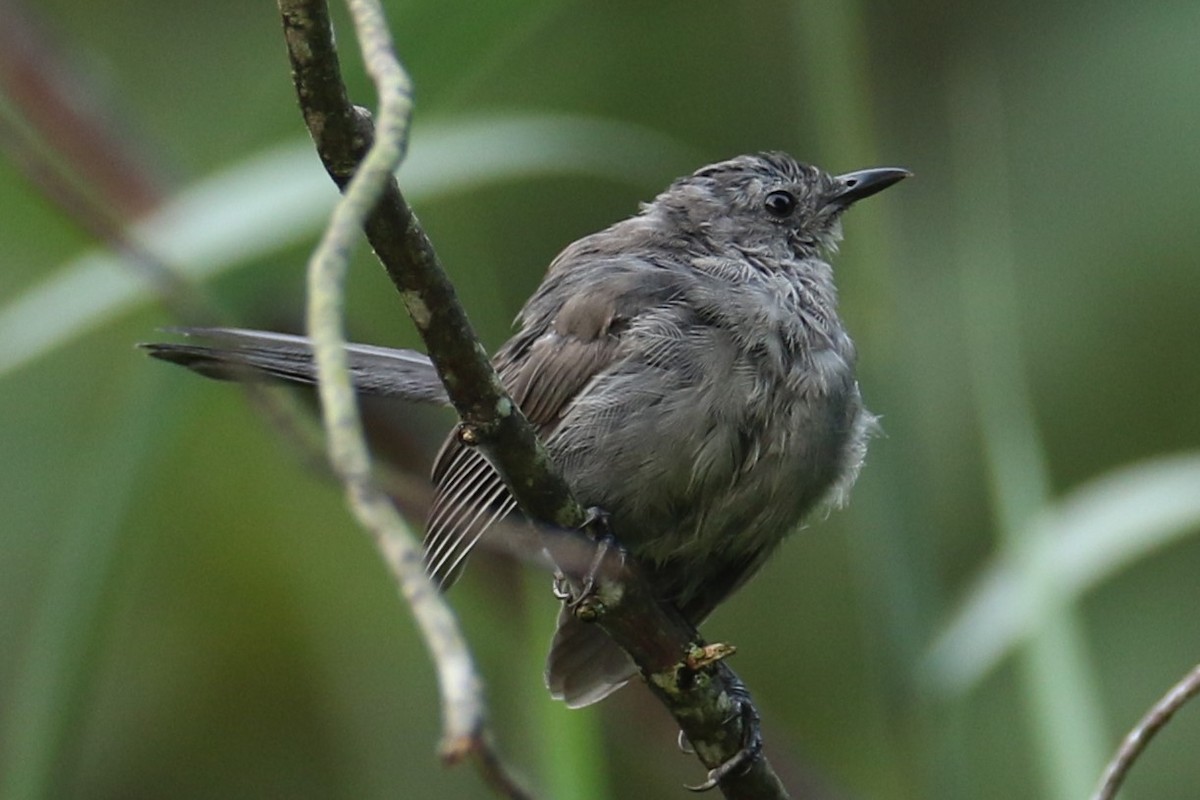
583, 602
752, 741
597, 527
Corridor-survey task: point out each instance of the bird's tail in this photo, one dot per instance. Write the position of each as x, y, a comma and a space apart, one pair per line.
240, 355
584, 665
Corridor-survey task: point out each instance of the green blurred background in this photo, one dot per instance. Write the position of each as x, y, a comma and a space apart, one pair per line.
189, 611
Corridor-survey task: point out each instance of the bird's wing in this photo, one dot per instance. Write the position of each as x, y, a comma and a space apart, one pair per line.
561, 347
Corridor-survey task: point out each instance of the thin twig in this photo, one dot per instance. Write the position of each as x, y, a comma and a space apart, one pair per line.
702, 698
461, 692
188, 302
1136, 740
342, 133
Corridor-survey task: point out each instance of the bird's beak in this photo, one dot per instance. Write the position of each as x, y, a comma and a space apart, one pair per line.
866, 182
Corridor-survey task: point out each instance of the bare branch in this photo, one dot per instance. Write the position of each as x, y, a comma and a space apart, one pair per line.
462, 704
703, 694
1136, 740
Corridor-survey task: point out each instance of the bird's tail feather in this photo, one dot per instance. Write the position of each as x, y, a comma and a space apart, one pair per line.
584, 665
239, 354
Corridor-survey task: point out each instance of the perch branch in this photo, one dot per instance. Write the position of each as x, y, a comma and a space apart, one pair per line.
464, 729
701, 693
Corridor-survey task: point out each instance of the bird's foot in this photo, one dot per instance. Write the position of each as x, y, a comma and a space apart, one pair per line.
583, 601
752, 742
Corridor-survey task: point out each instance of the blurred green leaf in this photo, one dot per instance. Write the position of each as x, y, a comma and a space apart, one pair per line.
71, 617
1093, 533
283, 196
1062, 698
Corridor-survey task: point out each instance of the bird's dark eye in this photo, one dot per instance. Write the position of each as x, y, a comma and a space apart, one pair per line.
779, 203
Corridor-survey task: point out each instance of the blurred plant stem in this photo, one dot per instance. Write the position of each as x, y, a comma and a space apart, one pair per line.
569, 742
71, 619
834, 63
1055, 670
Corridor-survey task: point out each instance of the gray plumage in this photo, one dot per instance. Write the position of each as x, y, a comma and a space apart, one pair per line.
688, 372
241, 355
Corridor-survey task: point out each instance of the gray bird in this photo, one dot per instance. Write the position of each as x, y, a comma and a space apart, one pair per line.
686, 368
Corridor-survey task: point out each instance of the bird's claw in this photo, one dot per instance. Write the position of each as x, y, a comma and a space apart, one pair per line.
583, 602
747, 754
560, 587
